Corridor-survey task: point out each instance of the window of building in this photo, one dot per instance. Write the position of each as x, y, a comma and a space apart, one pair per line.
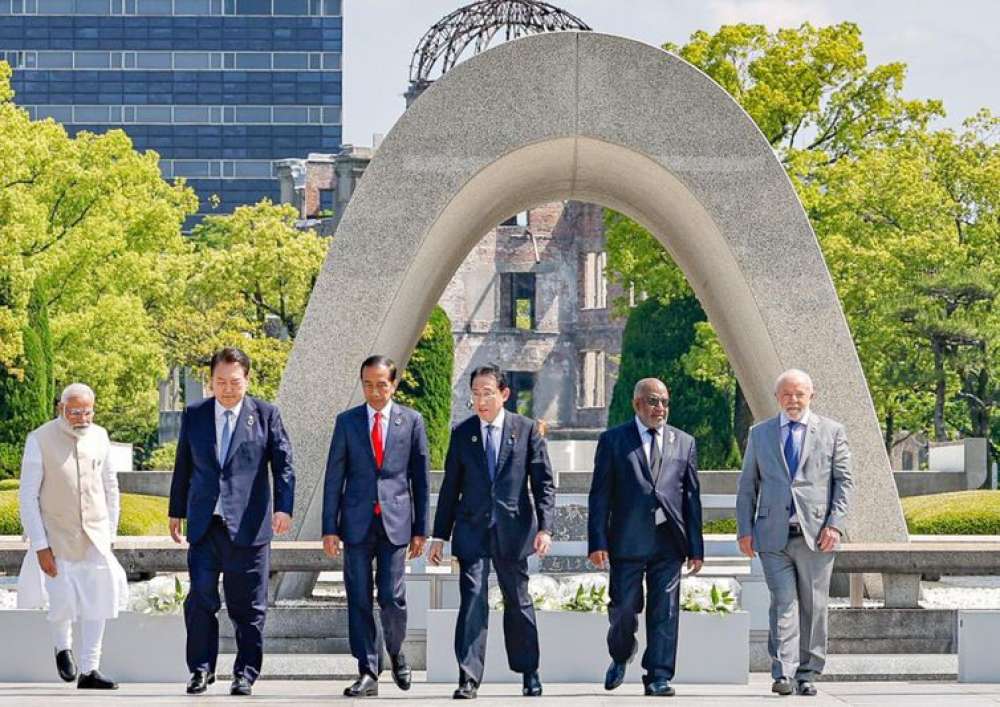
522, 392
595, 285
327, 201
592, 379
518, 219
517, 297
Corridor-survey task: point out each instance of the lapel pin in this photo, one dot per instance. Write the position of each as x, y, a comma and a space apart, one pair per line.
250, 421
474, 438
510, 441
670, 437
398, 421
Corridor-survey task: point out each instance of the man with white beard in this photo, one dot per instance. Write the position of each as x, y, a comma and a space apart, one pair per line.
69, 512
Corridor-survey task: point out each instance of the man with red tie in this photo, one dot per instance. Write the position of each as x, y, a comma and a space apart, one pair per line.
375, 502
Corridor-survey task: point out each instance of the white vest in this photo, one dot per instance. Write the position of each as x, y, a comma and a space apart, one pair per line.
74, 507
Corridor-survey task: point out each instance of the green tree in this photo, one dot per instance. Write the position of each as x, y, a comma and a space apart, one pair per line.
27, 397
426, 383
246, 282
655, 340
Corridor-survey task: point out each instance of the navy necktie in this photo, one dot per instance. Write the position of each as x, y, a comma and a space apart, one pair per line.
491, 454
791, 450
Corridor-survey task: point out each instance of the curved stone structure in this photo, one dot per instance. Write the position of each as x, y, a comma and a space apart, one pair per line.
595, 118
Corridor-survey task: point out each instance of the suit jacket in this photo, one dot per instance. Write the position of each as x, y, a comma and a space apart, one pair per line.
259, 442
468, 500
821, 490
353, 483
623, 499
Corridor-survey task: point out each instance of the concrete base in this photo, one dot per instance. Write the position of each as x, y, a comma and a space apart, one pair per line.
977, 646
713, 648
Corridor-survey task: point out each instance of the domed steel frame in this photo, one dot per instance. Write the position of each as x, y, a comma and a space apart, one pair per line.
477, 24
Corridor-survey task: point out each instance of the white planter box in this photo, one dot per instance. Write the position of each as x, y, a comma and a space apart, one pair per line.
977, 640
137, 648
711, 649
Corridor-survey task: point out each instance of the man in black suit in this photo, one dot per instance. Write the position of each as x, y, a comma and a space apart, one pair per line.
228, 445
496, 465
645, 518
375, 501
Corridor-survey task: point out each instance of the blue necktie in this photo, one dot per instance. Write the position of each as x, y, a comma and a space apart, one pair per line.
227, 437
491, 454
791, 450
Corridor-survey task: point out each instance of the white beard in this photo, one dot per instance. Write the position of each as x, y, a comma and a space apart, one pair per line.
78, 432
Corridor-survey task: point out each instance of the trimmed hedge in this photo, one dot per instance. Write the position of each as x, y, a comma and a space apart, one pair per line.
140, 515
958, 513
720, 526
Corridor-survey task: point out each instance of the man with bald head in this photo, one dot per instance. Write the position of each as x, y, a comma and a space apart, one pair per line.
69, 511
791, 508
645, 520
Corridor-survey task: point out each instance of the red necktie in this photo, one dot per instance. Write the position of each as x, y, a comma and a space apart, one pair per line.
377, 449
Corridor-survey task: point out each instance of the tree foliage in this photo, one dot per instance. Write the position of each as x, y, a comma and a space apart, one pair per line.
426, 383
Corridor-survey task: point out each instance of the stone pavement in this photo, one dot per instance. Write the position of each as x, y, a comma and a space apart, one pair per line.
306, 692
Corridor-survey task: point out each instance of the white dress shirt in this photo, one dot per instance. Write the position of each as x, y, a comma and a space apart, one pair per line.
647, 438
497, 433
383, 421
32, 473
800, 435
220, 423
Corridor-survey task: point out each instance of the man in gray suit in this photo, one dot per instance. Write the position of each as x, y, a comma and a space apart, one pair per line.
791, 507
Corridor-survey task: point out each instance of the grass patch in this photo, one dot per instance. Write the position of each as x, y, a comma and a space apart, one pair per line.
719, 526
140, 515
958, 513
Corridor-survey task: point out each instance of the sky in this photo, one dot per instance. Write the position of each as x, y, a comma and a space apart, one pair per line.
951, 48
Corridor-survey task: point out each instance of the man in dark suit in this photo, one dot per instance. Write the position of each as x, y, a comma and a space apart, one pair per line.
228, 445
496, 465
375, 500
645, 518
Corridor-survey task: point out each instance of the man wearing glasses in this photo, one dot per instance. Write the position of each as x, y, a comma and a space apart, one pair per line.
497, 463
645, 520
69, 511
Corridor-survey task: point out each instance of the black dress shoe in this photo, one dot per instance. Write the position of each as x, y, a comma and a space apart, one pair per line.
615, 675
782, 686
466, 690
400, 671
66, 665
241, 686
805, 687
531, 685
95, 681
659, 688
365, 686
199, 682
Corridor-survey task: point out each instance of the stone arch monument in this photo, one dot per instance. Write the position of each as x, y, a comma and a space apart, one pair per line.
603, 119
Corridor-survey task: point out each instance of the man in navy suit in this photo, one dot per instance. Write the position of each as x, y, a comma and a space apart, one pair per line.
375, 500
231, 449
496, 465
645, 518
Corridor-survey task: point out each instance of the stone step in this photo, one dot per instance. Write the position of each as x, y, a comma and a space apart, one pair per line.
316, 621
890, 667
294, 645
296, 666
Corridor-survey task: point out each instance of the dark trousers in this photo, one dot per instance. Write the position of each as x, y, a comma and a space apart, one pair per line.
520, 632
663, 580
390, 579
244, 580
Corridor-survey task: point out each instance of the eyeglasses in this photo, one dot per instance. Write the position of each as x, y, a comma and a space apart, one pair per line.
652, 401
80, 412
487, 396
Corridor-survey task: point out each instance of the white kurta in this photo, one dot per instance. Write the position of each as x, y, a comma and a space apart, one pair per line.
91, 589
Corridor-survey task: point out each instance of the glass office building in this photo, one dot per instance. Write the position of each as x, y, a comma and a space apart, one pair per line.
219, 88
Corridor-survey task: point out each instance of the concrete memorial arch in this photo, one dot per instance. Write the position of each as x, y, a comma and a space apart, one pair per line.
601, 119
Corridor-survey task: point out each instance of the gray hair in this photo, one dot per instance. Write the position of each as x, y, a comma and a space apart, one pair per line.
642, 384
793, 374
77, 390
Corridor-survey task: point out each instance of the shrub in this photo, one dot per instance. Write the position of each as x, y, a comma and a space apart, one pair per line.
959, 513
426, 383
656, 338
162, 458
719, 526
140, 515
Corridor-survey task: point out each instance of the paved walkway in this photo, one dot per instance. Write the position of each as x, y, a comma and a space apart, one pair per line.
306, 692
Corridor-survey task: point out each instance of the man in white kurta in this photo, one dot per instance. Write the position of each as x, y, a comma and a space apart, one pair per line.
69, 512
